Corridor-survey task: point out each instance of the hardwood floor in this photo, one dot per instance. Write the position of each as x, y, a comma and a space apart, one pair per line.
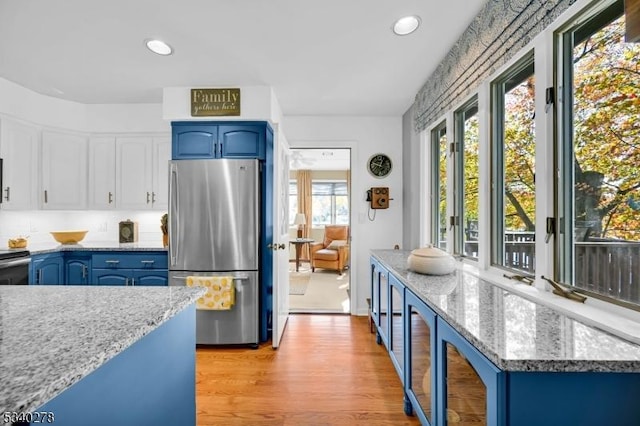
328, 371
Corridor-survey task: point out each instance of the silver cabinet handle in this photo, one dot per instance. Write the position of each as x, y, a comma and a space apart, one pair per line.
126, 281
46, 196
39, 277
84, 271
148, 197
153, 197
133, 281
147, 262
8, 192
110, 197
112, 262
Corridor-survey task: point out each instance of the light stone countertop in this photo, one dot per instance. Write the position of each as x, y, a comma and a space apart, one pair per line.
515, 333
53, 336
42, 248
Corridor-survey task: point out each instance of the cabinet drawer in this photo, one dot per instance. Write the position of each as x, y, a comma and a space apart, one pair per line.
130, 261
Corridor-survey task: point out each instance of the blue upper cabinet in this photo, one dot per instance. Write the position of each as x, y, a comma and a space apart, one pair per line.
242, 141
191, 141
223, 139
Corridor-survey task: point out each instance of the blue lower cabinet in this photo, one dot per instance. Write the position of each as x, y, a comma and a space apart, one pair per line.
130, 277
470, 388
152, 382
130, 268
156, 278
77, 270
110, 276
420, 360
47, 269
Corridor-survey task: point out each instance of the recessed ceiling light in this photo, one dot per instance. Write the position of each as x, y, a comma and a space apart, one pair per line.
406, 25
159, 47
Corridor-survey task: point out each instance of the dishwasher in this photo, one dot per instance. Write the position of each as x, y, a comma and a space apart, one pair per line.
14, 267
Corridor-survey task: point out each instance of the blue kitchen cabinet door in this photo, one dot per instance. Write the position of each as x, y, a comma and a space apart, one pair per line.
77, 271
110, 276
396, 325
242, 141
191, 141
469, 387
47, 269
380, 301
420, 359
151, 277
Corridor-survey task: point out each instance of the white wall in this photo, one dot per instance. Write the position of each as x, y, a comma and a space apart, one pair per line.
365, 136
411, 175
102, 225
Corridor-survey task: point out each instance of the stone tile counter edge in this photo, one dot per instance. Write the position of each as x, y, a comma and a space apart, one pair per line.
74, 331
42, 248
535, 344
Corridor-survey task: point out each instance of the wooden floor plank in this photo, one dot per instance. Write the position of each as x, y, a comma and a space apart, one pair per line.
328, 371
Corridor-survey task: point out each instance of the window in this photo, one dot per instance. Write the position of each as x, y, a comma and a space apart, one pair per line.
466, 180
513, 168
330, 203
598, 154
439, 185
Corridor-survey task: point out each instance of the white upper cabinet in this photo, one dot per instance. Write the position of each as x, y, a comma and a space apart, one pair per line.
19, 150
64, 171
134, 173
102, 173
142, 172
161, 157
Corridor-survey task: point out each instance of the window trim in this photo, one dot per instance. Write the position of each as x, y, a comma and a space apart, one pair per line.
517, 71
436, 134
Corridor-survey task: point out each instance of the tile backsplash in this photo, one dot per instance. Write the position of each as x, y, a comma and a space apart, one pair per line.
102, 225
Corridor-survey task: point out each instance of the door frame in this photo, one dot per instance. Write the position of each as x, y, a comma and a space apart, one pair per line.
353, 155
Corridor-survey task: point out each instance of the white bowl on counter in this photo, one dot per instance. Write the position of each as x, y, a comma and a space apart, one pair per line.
431, 261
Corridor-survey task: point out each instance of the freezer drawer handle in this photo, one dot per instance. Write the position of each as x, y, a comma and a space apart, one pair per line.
175, 277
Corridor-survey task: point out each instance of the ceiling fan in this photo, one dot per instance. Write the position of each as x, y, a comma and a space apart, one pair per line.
299, 161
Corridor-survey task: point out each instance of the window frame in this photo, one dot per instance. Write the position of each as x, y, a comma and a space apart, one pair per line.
459, 119
521, 68
436, 134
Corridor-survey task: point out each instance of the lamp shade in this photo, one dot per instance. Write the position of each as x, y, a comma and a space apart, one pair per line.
300, 219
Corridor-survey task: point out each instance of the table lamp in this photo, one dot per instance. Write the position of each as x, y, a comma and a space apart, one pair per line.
300, 221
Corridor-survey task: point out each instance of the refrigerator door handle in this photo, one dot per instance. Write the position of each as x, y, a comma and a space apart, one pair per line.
175, 277
173, 214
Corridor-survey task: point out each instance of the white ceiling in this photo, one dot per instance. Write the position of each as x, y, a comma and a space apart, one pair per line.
320, 159
330, 57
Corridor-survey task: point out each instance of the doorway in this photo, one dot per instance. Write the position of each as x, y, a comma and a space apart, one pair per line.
319, 232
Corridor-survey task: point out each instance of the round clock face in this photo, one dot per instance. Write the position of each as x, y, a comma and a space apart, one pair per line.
379, 165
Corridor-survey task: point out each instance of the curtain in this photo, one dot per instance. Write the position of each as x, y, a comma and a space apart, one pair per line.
304, 206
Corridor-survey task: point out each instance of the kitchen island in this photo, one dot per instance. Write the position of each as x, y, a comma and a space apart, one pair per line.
99, 355
478, 352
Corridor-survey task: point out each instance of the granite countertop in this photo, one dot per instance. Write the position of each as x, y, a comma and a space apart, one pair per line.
53, 336
515, 333
41, 248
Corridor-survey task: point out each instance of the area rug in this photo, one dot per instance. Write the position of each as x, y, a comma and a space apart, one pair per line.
299, 282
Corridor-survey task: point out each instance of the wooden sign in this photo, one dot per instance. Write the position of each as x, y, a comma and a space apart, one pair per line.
215, 102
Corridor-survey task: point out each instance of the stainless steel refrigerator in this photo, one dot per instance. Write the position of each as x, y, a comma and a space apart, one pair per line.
214, 210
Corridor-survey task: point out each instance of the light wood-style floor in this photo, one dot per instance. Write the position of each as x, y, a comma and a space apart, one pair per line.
328, 371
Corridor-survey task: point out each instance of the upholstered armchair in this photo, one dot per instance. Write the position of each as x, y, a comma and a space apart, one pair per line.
333, 251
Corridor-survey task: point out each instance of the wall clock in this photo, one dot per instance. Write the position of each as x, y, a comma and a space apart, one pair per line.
379, 165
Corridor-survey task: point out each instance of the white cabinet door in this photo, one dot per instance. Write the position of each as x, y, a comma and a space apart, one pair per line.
161, 157
19, 150
102, 173
64, 171
134, 173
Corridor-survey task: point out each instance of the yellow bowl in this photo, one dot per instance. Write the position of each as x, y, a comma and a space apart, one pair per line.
68, 237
